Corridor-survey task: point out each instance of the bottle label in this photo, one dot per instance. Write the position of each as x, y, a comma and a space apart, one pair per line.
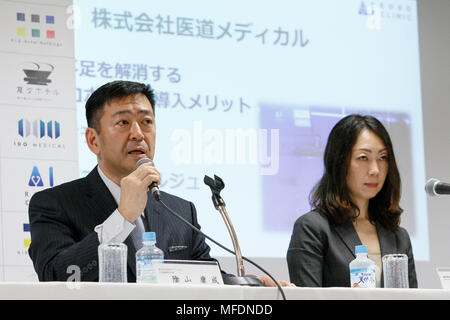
363, 278
145, 272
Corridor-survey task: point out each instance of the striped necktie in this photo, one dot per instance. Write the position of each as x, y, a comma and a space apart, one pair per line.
136, 234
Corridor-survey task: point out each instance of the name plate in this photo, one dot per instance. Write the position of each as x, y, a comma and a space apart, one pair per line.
444, 276
188, 272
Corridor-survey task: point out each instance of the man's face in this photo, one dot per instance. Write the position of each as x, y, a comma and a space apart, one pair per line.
127, 133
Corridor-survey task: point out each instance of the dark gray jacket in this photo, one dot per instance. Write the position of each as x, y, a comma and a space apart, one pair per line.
63, 218
320, 251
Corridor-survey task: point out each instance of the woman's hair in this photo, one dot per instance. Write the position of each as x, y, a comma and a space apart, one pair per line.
331, 195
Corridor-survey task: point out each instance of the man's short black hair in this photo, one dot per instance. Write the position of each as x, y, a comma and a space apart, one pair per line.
110, 91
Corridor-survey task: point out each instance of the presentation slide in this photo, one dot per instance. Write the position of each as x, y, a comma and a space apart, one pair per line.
249, 91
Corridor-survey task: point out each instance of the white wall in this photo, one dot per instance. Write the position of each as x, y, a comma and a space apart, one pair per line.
434, 40
37, 82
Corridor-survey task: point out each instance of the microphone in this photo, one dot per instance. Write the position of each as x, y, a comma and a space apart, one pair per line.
225, 248
153, 186
434, 187
252, 282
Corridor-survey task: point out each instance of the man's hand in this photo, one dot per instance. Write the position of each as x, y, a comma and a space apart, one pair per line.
133, 191
268, 282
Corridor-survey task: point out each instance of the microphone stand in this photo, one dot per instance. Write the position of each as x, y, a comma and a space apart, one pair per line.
216, 186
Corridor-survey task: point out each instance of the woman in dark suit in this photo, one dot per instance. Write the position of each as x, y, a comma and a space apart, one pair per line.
355, 202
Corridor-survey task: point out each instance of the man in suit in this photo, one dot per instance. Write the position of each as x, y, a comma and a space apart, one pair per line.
112, 203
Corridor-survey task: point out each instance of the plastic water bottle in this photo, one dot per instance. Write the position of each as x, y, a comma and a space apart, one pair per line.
146, 257
362, 270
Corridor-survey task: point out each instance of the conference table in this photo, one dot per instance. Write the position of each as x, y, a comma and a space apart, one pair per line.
133, 291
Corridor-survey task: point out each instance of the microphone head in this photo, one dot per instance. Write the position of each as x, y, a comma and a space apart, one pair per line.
144, 160
430, 185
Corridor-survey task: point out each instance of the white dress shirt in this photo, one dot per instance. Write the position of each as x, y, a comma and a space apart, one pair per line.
115, 229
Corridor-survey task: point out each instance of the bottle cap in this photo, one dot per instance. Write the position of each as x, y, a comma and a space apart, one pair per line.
360, 249
148, 237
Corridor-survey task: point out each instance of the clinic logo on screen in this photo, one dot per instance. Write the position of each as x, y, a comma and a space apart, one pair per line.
36, 179
38, 73
377, 11
35, 25
39, 129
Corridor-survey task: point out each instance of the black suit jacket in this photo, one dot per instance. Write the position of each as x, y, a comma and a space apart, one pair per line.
63, 218
320, 251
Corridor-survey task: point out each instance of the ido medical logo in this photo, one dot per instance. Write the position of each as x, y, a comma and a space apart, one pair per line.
39, 129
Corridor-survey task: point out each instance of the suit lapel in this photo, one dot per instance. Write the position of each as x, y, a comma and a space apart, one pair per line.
131, 256
348, 235
152, 221
153, 214
388, 244
100, 201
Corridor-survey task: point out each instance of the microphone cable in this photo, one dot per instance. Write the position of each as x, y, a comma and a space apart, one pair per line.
223, 247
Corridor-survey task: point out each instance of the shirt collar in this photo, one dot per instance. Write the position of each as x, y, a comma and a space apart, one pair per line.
112, 187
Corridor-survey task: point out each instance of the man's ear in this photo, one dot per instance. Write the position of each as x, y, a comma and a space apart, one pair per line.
92, 140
